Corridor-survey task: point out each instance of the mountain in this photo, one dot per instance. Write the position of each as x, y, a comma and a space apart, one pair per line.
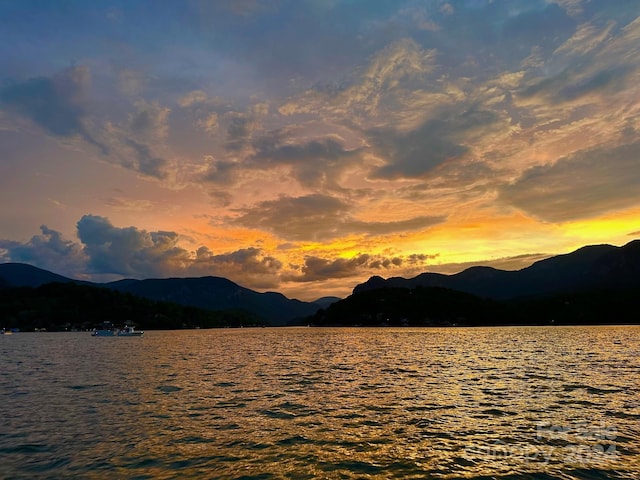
212, 293
588, 268
598, 284
594, 269
324, 302
72, 306
23, 275
216, 293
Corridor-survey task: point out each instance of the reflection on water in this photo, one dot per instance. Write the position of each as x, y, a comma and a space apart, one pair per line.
535, 403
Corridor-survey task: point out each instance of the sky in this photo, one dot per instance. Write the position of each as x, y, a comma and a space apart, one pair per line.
302, 146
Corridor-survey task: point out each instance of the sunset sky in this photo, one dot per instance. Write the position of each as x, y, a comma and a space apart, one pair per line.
302, 146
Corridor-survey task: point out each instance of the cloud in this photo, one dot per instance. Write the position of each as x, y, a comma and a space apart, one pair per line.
319, 269
213, 115
319, 217
575, 82
311, 217
442, 138
250, 265
314, 163
132, 252
316, 268
210, 123
239, 129
143, 159
105, 251
48, 250
371, 91
242, 125
139, 143
594, 61
385, 228
129, 204
58, 104
222, 172
195, 97
149, 121
586, 184
128, 251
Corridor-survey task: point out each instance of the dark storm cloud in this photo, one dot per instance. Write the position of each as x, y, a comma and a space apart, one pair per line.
416, 153
57, 104
586, 184
320, 217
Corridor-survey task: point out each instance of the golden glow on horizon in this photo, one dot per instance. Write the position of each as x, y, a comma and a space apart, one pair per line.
617, 227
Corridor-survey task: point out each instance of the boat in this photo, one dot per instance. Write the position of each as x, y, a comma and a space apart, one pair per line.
103, 332
108, 329
129, 331
5, 332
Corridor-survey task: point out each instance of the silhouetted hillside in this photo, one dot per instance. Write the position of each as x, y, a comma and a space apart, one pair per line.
420, 306
213, 293
594, 284
324, 302
593, 267
69, 306
23, 275
437, 306
217, 293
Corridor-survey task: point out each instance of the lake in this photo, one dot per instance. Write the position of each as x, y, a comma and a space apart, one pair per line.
336, 403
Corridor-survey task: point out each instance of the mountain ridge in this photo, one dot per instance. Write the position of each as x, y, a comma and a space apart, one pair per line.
589, 267
209, 292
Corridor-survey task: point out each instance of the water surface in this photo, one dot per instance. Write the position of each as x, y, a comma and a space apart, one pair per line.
504, 403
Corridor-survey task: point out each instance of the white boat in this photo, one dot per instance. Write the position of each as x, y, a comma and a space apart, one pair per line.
128, 331
109, 330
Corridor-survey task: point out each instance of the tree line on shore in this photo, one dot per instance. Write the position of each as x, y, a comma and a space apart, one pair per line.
69, 306
437, 306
